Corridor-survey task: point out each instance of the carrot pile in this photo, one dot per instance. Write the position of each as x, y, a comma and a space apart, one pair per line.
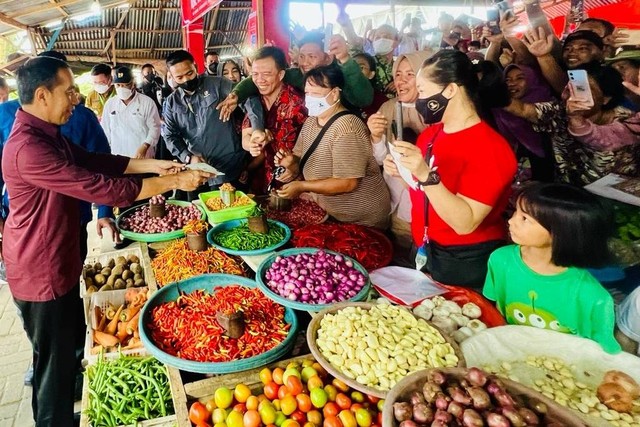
118, 327
188, 327
177, 262
195, 226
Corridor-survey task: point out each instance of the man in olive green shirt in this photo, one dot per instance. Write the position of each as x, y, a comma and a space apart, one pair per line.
103, 89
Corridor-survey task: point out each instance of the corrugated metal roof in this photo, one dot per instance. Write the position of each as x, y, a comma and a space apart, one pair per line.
142, 29
148, 29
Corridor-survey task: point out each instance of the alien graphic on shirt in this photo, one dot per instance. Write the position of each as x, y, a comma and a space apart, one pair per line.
519, 313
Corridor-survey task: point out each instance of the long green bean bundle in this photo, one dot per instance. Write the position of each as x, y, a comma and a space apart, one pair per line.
241, 239
127, 390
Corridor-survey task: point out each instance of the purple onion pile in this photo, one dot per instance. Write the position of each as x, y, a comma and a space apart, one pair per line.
315, 278
474, 401
176, 217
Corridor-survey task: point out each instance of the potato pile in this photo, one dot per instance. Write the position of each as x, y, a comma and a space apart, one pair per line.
118, 273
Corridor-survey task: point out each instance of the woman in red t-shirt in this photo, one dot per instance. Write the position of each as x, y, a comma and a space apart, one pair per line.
462, 169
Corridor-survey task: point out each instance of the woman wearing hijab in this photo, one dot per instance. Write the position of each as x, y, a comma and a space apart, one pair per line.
405, 69
526, 85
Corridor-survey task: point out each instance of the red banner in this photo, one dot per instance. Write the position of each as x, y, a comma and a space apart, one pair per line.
252, 30
192, 10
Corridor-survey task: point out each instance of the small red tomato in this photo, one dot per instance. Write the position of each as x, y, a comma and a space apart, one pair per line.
271, 390
343, 401
240, 407
283, 391
198, 413
299, 416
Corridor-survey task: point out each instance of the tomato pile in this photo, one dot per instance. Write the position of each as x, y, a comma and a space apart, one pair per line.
366, 245
188, 328
302, 395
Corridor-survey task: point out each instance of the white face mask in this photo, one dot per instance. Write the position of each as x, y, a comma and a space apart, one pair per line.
317, 105
124, 93
382, 46
101, 89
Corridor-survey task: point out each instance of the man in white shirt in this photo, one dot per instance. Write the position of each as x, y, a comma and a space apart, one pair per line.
130, 120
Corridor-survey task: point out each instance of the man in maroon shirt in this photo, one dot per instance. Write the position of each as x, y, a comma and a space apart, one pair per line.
46, 176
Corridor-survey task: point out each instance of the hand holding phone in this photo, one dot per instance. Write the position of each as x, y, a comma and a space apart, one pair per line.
493, 21
579, 88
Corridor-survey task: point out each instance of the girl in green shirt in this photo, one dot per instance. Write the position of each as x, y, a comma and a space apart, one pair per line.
541, 281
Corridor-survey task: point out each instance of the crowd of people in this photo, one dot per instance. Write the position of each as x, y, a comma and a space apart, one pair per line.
424, 141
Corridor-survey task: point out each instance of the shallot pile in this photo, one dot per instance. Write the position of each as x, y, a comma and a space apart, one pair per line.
140, 221
473, 401
315, 278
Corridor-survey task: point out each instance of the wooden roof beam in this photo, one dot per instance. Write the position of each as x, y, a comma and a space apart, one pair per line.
12, 22
5, 67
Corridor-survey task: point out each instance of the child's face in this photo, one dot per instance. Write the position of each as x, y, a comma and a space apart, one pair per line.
526, 231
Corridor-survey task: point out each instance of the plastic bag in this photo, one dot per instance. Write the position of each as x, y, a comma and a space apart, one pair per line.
404, 286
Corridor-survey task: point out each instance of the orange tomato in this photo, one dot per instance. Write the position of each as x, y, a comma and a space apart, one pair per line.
314, 382
198, 413
343, 401
322, 373
347, 418
265, 376
252, 403
288, 405
240, 407
340, 385
304, 402
330, 409
211, 405
277, 375
308, 424
314, 416
356, 406
299, 416
332, 421
241, 393
283, 391
262, 397
271, 390
294, 385
251, 419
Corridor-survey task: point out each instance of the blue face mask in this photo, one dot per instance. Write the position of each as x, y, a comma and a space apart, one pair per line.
317, 105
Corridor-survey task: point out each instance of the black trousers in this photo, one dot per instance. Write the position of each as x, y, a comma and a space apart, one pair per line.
56, 331
464, 265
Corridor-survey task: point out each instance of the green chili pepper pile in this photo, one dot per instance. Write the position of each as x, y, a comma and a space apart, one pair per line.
241, 239
127, 390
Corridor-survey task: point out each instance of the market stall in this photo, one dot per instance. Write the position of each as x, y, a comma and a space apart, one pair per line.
300, 323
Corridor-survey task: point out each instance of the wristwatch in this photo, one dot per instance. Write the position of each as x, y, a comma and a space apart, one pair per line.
187, 159
432, 179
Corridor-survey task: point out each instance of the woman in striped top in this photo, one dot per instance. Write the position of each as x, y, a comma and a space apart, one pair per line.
341, 171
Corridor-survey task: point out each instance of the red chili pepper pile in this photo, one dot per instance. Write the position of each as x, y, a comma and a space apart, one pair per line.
303, 212
187, 328
366, 245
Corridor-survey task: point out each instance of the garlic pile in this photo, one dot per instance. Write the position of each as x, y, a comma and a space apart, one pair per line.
458, 322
